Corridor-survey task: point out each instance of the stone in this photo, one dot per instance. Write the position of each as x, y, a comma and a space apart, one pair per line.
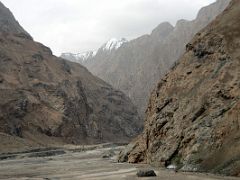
123, 155
146, 173
108, 154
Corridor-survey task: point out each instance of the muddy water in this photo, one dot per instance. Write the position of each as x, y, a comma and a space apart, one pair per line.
65, 163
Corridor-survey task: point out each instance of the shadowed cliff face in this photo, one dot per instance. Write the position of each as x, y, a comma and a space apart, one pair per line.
137, 65
44, 98
193, 115
9, 24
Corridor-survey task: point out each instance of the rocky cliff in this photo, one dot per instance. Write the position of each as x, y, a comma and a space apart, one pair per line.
44, 98
193, 115
137, 65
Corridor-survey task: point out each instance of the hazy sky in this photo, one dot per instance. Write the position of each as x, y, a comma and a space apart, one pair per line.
81, 25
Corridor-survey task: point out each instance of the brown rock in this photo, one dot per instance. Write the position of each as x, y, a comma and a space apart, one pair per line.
44, 98
146, 173
198, 130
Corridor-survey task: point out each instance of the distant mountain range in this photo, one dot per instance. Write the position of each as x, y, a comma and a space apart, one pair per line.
80, 57
83, 58
135, 66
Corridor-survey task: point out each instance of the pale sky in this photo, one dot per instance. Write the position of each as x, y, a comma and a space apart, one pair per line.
82, 25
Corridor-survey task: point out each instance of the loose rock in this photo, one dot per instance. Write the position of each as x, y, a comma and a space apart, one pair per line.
146, 173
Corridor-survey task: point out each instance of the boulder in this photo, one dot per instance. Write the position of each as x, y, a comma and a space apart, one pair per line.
146, 173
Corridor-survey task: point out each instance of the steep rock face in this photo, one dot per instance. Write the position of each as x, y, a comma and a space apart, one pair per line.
193, 115
127, 67
9, 24
43, 97
137, 65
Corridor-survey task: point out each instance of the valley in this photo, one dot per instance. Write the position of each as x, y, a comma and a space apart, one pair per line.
165, 105
83, 162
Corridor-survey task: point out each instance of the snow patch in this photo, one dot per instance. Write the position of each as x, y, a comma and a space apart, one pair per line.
114, 44
79, 57
171, 166
85, 55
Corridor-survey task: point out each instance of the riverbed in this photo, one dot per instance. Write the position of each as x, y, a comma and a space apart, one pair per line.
88, 163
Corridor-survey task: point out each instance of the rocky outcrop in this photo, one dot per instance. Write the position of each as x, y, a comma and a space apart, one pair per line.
137, 65
193, 115
44, 98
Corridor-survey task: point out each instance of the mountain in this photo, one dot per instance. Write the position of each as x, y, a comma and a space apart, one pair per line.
86, 57
8, 23
193, 116
45, 99
113, 44
137, 65
80, 57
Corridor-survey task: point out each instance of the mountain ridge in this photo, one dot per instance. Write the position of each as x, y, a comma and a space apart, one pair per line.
192, 120
46, 100
111, 45
135, 67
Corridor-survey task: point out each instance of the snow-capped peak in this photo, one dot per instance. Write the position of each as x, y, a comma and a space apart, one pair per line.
114, 44
86, 55
79, 57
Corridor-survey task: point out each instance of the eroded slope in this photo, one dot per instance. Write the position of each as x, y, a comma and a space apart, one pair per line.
45, 99
193, 116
